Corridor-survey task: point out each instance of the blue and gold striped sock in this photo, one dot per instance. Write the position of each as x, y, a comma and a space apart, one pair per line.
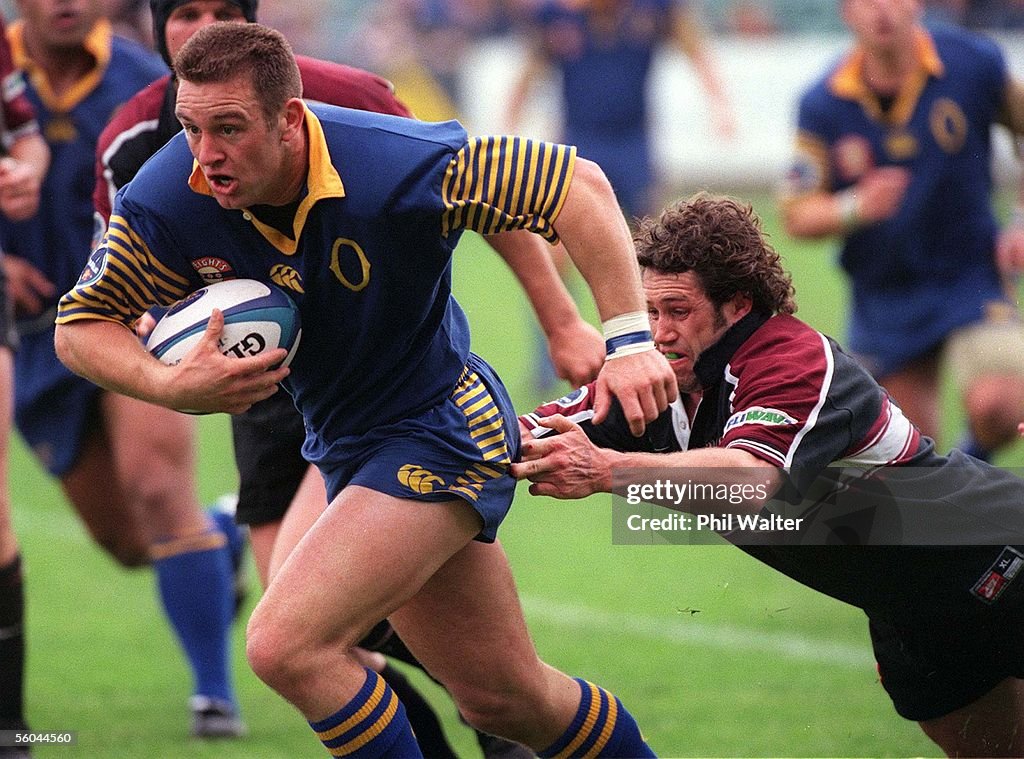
601, 727
373, 725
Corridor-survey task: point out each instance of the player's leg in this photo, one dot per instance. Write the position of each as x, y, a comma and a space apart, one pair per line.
153, 451
991, 726
137, 466
12, 598
365, 556
915, 388
309, 503
336, 583
112, 520
467, 626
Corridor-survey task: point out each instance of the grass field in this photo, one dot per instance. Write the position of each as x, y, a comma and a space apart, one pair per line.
715, 654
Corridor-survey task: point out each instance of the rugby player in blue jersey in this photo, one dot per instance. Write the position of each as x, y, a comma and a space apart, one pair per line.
413, 434
894, 153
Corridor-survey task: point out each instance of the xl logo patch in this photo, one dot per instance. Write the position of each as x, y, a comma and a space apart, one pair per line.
991, 585
767, 417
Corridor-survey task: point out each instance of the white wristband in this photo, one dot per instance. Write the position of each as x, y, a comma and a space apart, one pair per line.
627, 334
634, 321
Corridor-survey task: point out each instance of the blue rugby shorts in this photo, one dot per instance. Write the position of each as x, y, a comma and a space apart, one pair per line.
460, 448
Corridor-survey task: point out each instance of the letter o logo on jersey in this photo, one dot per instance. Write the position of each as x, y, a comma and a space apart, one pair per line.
342, 245
948, 124
418, 479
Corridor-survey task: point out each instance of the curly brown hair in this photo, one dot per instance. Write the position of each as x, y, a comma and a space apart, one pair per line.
721, 241
222, 51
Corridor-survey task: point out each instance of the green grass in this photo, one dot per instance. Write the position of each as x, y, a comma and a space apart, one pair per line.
715, 654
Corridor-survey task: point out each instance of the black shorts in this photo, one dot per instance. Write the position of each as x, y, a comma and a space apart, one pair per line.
933, 664
268, 452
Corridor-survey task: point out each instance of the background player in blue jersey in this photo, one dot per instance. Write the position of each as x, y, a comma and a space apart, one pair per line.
893, 154
21, 175
766, 400
125, 467
603, 51
412, 432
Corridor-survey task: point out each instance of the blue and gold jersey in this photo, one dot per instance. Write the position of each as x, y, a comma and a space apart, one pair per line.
369, 264
930, 268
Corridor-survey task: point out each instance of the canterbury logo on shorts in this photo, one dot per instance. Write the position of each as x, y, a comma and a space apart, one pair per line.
419, 480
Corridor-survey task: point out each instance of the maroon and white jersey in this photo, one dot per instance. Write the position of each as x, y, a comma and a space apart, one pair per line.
146, 122
19, 117
781, 391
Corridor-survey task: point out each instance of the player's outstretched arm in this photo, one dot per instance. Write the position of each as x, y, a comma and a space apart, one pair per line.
597, 239
111, 356
569, 465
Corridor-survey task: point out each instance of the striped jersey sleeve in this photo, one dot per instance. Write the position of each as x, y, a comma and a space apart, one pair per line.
121, 280
497, 184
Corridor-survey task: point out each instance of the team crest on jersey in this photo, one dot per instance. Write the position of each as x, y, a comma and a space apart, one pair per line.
286, 277
949, 125
418, 479
94, 267
998, 577
767, 417
212, 269
853, 157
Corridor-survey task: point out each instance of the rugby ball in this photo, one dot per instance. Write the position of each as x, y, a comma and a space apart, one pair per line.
257, 317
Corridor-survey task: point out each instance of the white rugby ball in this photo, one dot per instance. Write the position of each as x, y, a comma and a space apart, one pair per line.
257, 317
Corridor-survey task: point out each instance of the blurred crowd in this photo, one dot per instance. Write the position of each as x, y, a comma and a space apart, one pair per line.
348, 30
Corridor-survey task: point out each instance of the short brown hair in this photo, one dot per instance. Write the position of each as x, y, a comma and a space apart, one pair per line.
220, 52
720, 240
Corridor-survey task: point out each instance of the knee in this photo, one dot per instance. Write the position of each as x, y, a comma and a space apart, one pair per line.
287, 655
498, 712
127, 549
994, 408
272, 650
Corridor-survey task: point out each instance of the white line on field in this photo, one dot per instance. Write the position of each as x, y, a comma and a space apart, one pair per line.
689, 631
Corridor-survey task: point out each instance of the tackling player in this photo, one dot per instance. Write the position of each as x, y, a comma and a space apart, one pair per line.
766, 399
